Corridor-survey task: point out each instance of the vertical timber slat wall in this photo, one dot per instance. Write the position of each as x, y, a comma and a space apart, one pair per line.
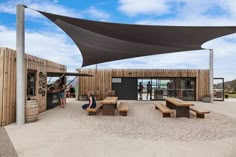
8, 82
103, 78
5, 89
1, 83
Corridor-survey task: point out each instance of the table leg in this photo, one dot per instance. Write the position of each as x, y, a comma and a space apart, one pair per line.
108, 109
182, 111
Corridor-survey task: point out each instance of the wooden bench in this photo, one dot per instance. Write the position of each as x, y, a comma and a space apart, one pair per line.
123, 108
166, 112
93, 111
199, 112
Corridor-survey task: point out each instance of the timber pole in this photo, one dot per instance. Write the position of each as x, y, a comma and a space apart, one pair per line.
211, 69
20, 65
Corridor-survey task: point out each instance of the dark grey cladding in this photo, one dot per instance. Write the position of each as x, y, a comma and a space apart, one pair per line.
102, 41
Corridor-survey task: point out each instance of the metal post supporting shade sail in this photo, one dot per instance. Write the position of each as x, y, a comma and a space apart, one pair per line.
102, 41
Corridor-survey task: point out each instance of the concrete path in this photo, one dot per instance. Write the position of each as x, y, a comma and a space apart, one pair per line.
6, 147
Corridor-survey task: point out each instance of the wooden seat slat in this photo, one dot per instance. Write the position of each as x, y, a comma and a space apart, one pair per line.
165, 110
199, 112
93, 111
123, 108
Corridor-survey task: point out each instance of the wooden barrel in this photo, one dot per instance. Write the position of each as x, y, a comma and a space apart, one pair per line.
31, 111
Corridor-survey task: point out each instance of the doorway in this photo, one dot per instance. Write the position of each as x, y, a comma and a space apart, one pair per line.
218, 89
144, 95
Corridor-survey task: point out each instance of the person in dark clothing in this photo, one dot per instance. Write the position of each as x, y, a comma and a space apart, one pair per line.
61, 94
72, 91
92, 101
149, 90
140, 90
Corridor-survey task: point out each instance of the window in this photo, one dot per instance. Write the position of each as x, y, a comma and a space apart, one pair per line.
180, 87
185, 88
31, 82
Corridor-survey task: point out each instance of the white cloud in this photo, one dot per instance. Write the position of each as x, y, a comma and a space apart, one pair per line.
180, 60
46, 5
51, 7
190, 21
228, 6
55, 8
8, 37
98, 14
224, 60
48, 45
134, 7
44, 45
179, 8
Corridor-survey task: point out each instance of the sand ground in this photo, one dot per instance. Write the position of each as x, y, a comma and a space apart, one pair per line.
70, 132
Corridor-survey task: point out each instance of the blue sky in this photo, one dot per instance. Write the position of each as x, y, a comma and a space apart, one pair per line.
44, 39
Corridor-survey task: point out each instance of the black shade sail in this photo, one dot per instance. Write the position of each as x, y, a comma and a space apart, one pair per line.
102, 41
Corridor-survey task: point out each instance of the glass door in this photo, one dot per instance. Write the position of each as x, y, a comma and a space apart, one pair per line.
218, 89
185, 88
147, 89
163, 88
144, 88
154, 87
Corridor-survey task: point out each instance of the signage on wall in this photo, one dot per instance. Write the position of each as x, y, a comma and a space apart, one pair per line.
116, 80
42, 83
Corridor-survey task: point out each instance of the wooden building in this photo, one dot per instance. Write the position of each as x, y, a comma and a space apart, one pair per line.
187, 84
35, 82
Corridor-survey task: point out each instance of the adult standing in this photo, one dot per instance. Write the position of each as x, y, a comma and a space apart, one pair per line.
61, 94
149, 90
68, 92
140, 91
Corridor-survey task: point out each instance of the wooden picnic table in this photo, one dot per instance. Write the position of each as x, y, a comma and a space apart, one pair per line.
109, 105
181, 107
